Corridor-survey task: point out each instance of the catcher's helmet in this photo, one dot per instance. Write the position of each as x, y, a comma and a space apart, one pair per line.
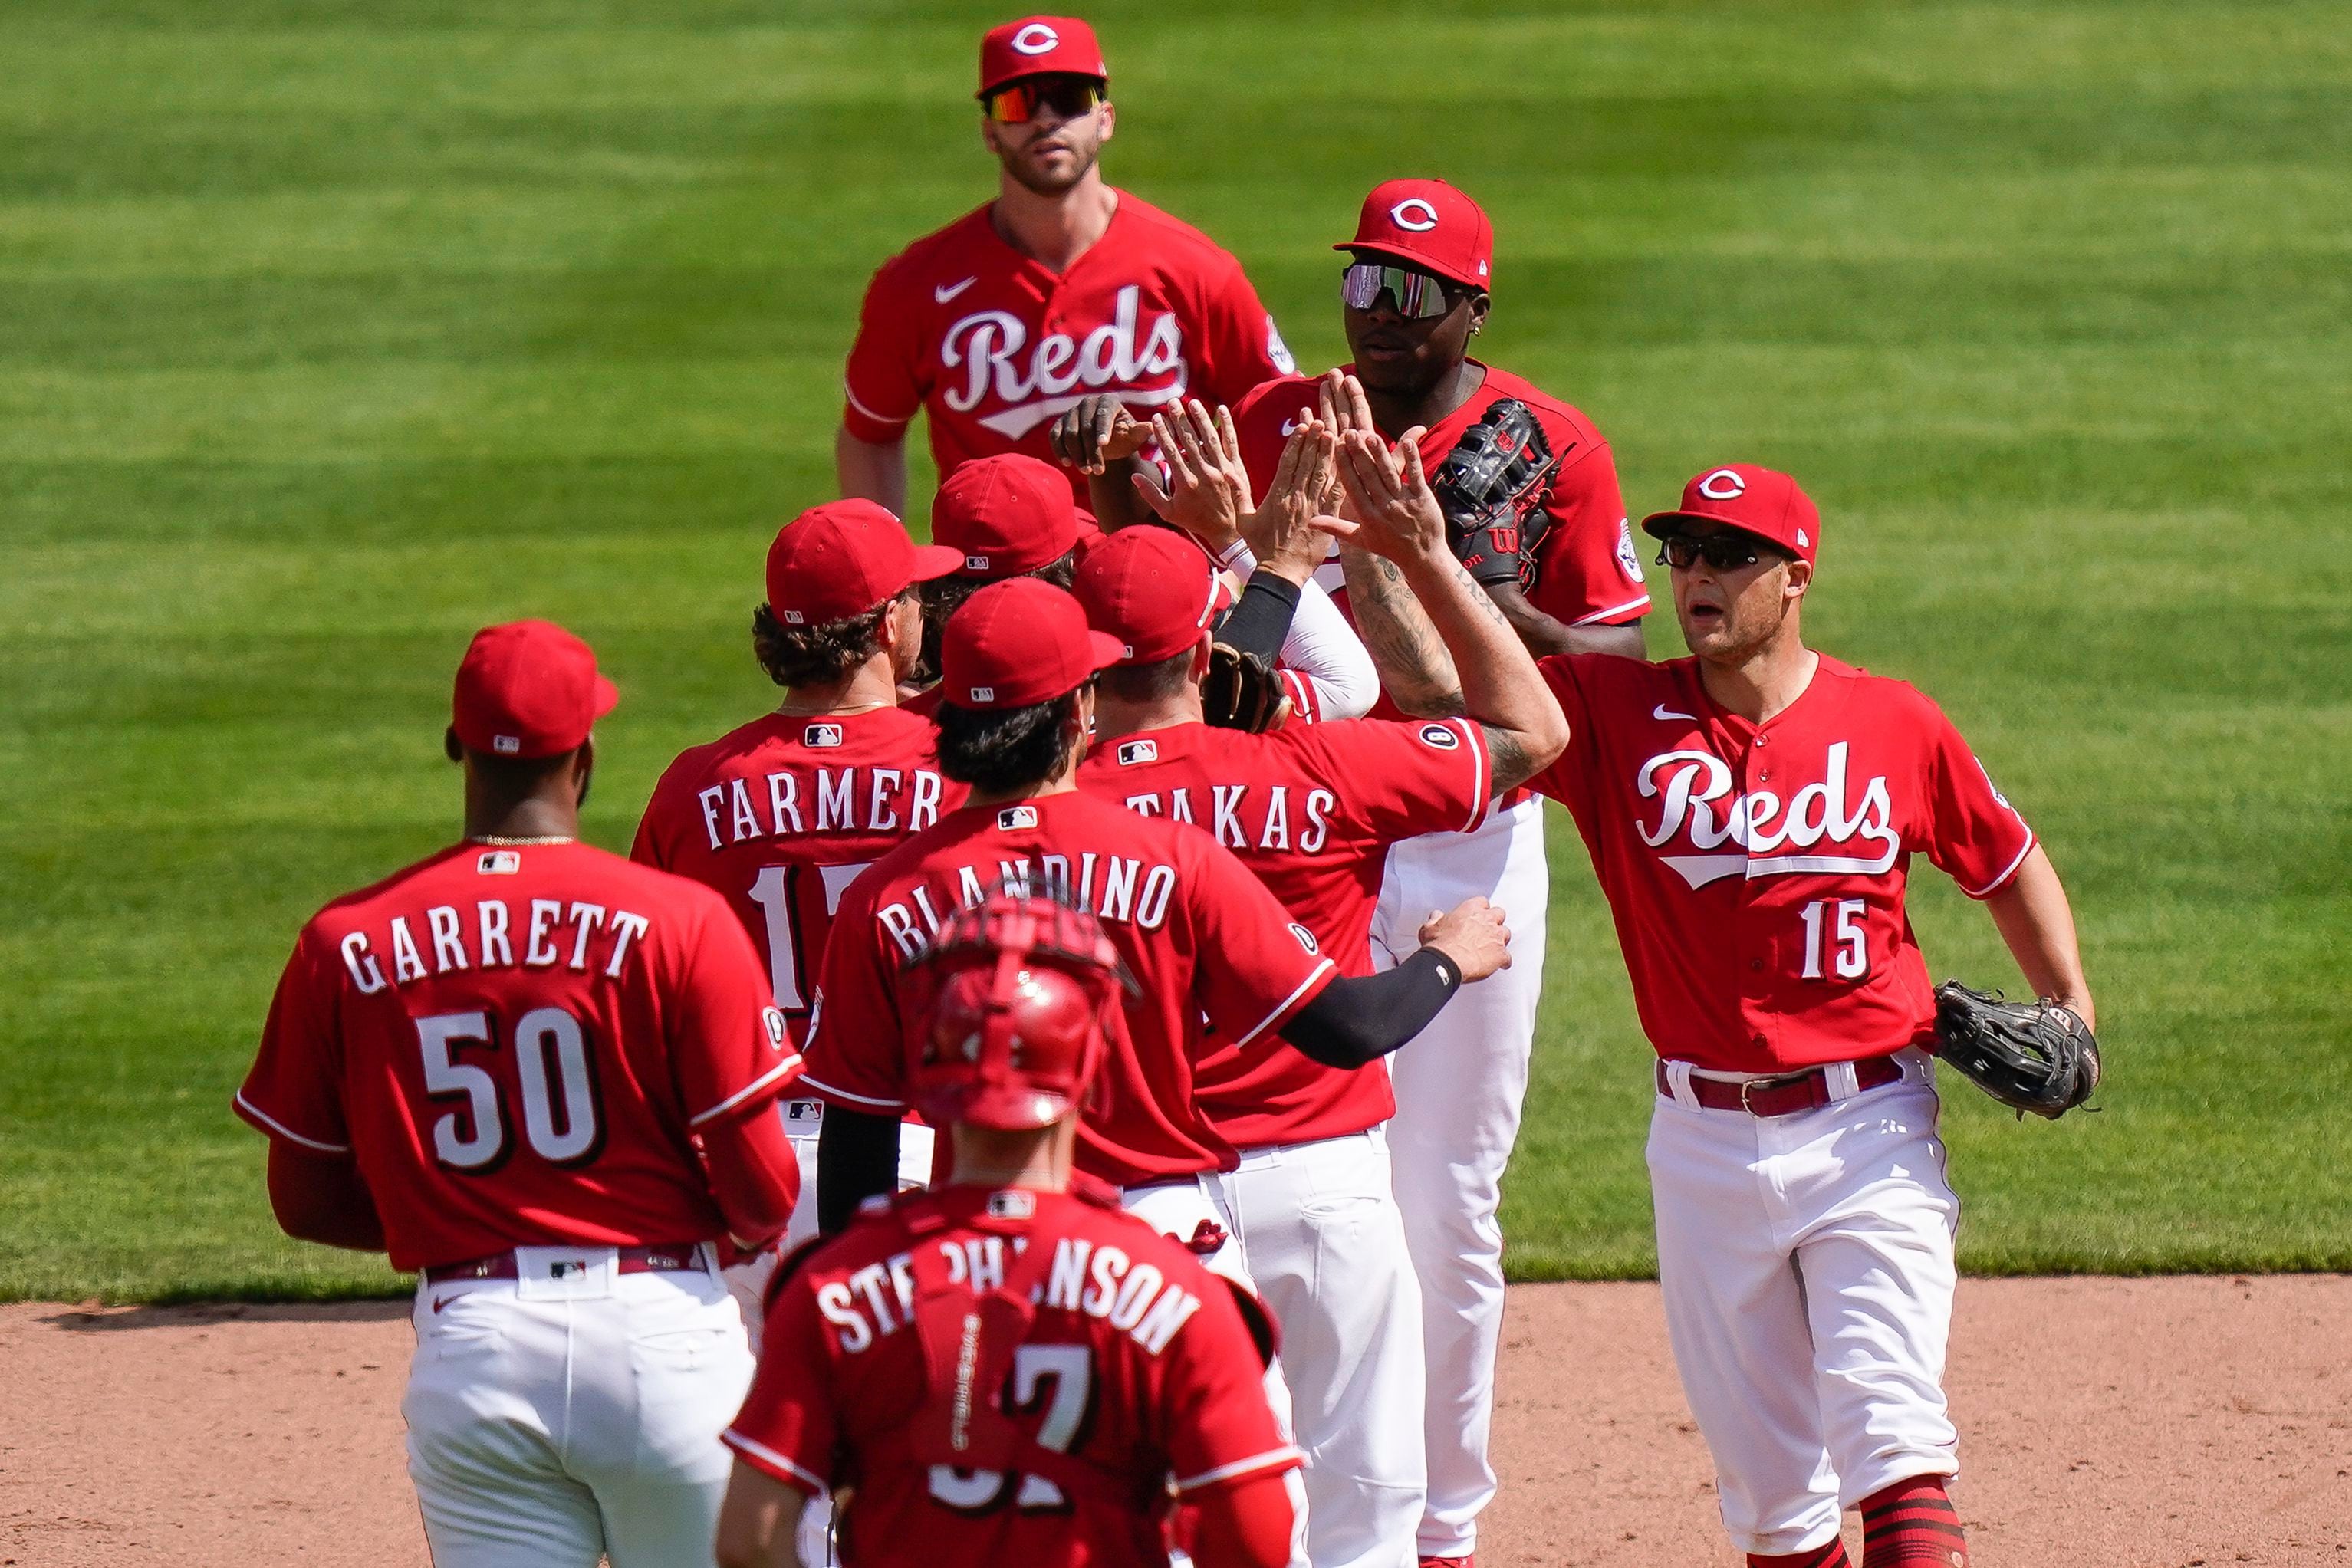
1012, 1002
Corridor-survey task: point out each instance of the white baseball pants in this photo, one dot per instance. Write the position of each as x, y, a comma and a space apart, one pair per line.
1176, 1208
1806, 1267
572, 1417
1322, 1237
1459, 1085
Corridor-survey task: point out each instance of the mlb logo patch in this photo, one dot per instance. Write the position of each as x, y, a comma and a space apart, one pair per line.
1013, 1202
822, 735
804, 1115
1131, 752
793, 618
505, 744
1439, 735
1016, 817
975, 563
497, 862
983, 694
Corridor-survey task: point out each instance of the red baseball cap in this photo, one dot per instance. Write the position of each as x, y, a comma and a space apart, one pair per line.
1428, 225
1152, 587
528, 688
1036, 44
1018, 643
1005, 516
1760, 501
844, 557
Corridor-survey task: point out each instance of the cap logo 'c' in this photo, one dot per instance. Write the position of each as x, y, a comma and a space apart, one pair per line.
1414, 214
1036, 38
975, 563
505, 744
983, 694
1723, 484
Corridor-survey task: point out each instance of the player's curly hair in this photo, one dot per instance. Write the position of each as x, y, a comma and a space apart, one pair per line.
943, 596
1005, 748
817, 655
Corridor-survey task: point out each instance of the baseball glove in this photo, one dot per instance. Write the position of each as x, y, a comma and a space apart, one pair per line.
1242, 691
1492, 486
2029, 1056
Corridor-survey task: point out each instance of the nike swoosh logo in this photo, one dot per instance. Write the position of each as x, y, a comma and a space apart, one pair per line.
441, 1301
947, 291
1663, 711
1289, 425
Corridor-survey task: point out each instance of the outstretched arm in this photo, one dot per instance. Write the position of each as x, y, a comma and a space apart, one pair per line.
2038, 923
874, 471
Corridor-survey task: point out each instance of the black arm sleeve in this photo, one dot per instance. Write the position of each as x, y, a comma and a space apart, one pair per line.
1358, 1019
856, 1158
1259, 622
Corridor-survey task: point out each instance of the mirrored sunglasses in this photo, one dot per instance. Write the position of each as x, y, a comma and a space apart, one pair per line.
1723, 552
1068, 96
1418, 294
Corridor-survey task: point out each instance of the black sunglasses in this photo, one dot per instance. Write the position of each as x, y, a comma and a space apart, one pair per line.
1723, 552
1070, 97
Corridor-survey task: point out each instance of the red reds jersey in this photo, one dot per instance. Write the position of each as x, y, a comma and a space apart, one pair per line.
1137, 1365
1757, 873
1587, 572
515, 1044
780, 815
994, 346
1312, 810
1203, 939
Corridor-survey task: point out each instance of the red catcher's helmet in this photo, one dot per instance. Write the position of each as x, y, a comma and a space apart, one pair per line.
1013, 1002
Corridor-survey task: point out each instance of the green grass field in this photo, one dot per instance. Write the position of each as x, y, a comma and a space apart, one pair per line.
330, 331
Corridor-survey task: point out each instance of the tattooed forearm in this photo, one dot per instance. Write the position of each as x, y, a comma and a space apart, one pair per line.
1414, 667
1508, 756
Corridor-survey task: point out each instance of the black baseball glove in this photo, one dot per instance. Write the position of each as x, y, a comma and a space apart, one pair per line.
2029, 1056
1242, 691
1492, 486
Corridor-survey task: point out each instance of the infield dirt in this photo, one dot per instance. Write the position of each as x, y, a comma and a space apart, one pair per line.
2160, 1423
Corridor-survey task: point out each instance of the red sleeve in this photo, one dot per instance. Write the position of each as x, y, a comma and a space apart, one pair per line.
294, 1090
1974, 834
884, 377
646, 848
788, 1428
856, 1059
1586, 570
1569, 779
1257, 966
1242, 347
1219, 1431
1400, 780
729, 1048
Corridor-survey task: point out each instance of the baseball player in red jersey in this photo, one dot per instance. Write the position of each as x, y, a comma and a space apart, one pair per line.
1558, 561
1312, 810
1009, 1371
780, 814
1059, 288
541, 1077
1211, 950
1752, 812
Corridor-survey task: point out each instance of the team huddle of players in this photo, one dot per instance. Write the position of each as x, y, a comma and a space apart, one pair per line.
1040, 1096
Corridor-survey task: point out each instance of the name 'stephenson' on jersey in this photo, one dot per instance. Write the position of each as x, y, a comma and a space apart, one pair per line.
1788, 844
994, 346
516, 1045
1218, 961
782, 814
1137, 1365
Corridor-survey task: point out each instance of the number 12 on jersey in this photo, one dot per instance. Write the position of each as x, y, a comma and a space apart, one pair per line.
773, 890
1852, 955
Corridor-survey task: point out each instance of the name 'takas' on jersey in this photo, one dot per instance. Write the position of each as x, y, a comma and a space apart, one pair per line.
1311, 810
516, 1045
1757, 872
1137, 1365
780, 816
1217, 959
